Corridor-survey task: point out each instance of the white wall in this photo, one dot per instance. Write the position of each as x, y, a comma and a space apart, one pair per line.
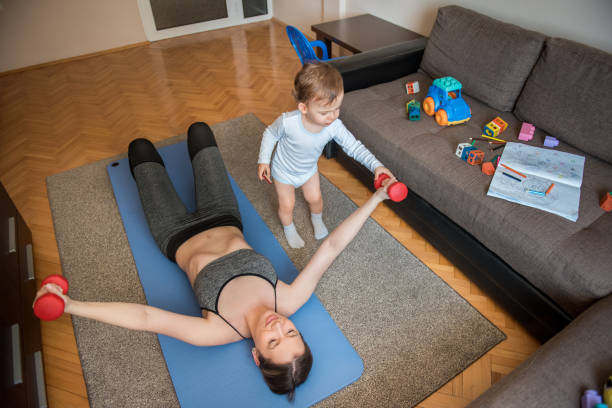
299, 13
584, 21
304, 13
38, 31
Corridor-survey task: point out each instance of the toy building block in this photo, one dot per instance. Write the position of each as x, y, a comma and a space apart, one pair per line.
413, 109
606, 202
495, 127
475, 157
460, 147
526, 132
607, 392
412, 87
550, 141
488, 168
491, 129
503, 125
590, 399
463, 149
466, 151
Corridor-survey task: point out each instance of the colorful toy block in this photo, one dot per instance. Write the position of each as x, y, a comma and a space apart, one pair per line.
606, 202
475, 157
463, 149
488, 168
413, 109
526, 132
503, 125
412, 87
550, 141
495, 127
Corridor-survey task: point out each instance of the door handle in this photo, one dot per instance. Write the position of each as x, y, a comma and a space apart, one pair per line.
12, 242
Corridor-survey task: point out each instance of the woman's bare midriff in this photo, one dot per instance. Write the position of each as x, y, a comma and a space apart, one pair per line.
203, 248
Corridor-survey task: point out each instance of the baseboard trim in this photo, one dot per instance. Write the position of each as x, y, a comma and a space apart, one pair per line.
76, 58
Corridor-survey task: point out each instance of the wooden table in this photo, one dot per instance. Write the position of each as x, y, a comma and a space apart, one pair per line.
362, 33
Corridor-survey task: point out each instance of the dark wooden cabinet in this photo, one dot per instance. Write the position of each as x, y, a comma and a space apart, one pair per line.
22, 375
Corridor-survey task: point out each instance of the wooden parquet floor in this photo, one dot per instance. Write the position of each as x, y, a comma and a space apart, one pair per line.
66, 115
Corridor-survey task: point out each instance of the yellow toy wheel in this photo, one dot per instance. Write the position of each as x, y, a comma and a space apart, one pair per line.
441, 117
429, 106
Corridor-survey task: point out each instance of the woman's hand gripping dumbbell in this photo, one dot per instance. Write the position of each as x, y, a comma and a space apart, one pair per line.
50, 299
397, 191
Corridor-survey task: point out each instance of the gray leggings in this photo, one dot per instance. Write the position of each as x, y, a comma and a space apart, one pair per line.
169, 221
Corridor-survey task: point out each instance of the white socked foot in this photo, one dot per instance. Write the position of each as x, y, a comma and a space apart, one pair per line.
320, 230
293, 238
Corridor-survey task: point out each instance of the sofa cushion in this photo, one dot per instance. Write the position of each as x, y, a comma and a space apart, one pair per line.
569, 95
563, 259
576, 359
490, 58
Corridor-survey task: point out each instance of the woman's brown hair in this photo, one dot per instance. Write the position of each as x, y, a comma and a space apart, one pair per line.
284, 378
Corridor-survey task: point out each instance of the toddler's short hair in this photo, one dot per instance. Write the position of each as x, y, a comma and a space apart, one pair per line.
317, 80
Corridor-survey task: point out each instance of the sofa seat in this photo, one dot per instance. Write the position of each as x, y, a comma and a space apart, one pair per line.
568, 261
576, 359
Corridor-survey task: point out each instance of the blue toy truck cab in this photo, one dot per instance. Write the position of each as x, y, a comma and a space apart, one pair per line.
444, 100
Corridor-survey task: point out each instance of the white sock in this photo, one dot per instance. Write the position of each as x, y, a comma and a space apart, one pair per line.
320, 230
294, 239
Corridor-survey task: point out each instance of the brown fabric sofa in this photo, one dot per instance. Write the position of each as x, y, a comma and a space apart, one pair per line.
543, 268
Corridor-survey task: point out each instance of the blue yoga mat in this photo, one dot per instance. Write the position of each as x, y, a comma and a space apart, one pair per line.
224, 376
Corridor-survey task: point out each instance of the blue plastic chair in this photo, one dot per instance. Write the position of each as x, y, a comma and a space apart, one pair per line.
304, 47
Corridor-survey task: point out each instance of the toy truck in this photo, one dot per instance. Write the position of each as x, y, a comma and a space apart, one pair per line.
445, 102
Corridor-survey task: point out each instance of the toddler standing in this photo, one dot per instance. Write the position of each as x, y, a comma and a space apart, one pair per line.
301, 136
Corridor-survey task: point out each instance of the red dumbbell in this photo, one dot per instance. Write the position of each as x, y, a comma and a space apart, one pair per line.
50, 306
396, 191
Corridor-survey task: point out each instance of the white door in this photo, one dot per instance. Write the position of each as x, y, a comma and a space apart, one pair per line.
165, 19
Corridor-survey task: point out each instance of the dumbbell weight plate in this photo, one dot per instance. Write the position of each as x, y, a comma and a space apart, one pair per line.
49, 307
59, 280
397, 192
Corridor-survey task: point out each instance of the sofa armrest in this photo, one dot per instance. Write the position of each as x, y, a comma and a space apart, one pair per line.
577, 358
381, 65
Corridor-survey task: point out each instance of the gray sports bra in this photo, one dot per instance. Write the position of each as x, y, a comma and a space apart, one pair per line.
213, 277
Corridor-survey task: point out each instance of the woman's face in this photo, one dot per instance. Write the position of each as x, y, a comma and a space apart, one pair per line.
277, 339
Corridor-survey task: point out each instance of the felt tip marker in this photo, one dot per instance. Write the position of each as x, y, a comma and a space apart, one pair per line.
494, 138
512, 170
550, 188
511, 176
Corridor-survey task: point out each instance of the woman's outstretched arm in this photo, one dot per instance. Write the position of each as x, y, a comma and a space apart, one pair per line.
190, 329
305, 283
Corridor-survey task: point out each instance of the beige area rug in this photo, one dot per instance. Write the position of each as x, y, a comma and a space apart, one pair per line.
413, 332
